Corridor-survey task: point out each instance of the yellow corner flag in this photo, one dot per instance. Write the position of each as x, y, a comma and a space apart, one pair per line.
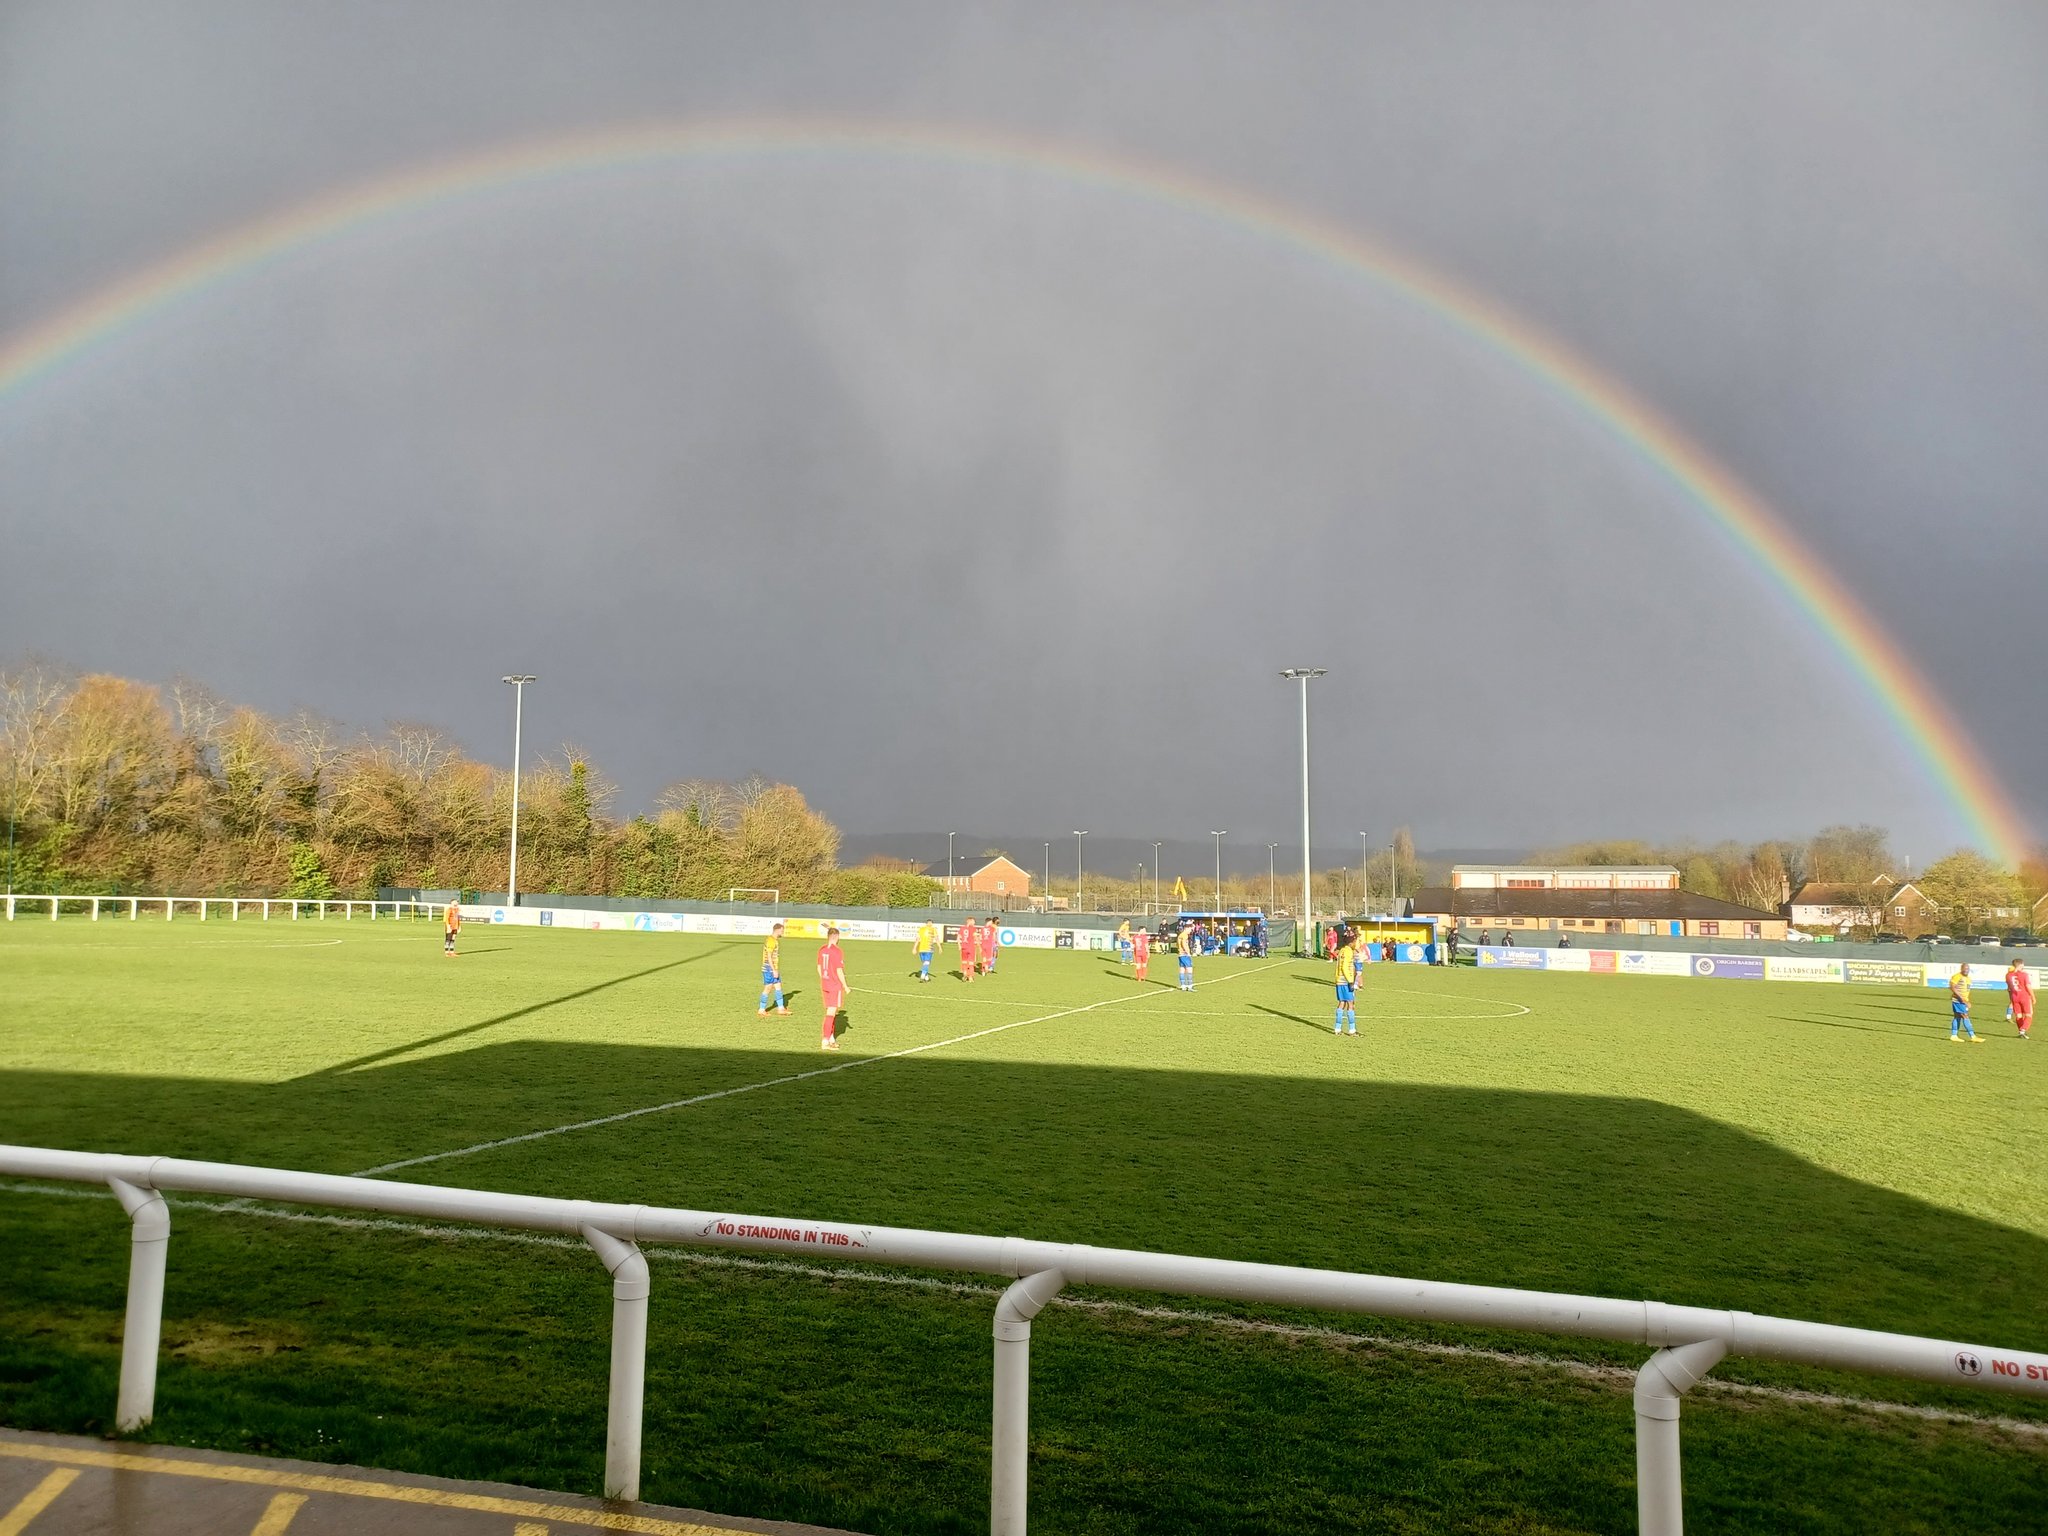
1180, 889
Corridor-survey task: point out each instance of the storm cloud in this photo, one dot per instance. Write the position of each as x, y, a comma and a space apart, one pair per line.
964, 492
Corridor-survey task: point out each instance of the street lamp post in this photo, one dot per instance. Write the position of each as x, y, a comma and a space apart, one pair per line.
949, 869
1155, 877
1364, 873
518, 682
1219, 836
1079, 833
1272, 880
1048, 874
1302, 675
1393, 883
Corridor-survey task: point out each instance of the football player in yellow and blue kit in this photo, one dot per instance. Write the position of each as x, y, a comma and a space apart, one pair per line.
927, 943
1347, 1008
771, 972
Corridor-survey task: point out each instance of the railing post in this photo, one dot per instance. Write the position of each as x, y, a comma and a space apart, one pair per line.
1664, 1378
630, 1286
148, 1246
1010, 1443
95, 909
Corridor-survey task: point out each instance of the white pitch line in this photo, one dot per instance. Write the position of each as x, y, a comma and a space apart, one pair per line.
1616, 1375
773, 1082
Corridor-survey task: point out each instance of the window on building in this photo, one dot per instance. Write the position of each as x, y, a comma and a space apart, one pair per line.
1525, 885
1710, 930
1571, 922
1521, 922
1898, 911
1752, 930
1644, 926
1613, 925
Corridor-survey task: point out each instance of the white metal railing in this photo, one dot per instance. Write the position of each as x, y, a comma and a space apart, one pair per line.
315, 910
1689, 1341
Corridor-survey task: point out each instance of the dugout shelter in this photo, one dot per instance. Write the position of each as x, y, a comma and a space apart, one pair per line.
1415, 938
1230, 933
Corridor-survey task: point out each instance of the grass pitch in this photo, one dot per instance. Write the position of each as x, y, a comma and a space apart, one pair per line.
1808, 1150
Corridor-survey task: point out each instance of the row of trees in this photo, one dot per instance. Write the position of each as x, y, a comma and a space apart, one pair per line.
115, 785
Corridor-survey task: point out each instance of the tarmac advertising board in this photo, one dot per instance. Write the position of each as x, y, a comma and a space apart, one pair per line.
1654, 963
1729, 967
1787, 968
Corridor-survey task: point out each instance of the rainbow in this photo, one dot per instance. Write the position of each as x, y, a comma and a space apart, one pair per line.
1950, 758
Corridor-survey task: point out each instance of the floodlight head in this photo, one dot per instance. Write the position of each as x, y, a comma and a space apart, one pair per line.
522, 677
1293, 672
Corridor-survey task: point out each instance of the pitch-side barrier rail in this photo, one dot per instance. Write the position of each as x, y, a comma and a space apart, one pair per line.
263, 907
1689, 1341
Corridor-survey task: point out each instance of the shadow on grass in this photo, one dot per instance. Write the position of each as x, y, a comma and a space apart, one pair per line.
357, 1063
478, 1359
1292, 1018
1555, 1191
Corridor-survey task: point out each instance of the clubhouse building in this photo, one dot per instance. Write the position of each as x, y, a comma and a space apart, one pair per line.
1601, 903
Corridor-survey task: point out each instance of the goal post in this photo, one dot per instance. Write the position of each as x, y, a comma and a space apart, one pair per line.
757, 895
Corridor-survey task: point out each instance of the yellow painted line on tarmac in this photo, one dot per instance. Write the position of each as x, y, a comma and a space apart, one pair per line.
36, 1500
277, 1514
307, 1482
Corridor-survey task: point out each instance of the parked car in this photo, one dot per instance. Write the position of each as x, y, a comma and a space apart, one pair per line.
2019, 938
1930, 938
1889, 938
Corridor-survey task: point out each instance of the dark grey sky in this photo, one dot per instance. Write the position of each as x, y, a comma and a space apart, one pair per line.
966, 496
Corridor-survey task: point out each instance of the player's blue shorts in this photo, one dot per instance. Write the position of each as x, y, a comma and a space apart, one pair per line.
768, 976
1959, 1008
1343, 991
925, 955
1187, 962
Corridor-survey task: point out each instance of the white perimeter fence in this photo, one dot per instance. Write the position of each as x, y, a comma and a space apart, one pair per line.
263, 907
1689, 1341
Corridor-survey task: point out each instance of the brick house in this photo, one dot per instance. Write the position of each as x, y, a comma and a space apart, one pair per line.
1841, 904
987, 875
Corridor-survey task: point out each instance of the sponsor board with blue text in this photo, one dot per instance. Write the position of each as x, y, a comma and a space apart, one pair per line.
1509, 957
1736, 967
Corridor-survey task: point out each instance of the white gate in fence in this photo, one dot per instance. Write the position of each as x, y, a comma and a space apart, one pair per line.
263, 907
1689, 1341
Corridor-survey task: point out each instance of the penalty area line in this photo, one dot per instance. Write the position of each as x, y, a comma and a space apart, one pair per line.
773, 1082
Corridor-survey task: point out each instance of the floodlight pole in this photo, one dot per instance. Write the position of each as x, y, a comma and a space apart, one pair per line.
1048, 874
1302, 675
1155, 878
1219, 836
1272, 880
518, 682
949, 870
1079, 833
1364, 873
1393, 884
